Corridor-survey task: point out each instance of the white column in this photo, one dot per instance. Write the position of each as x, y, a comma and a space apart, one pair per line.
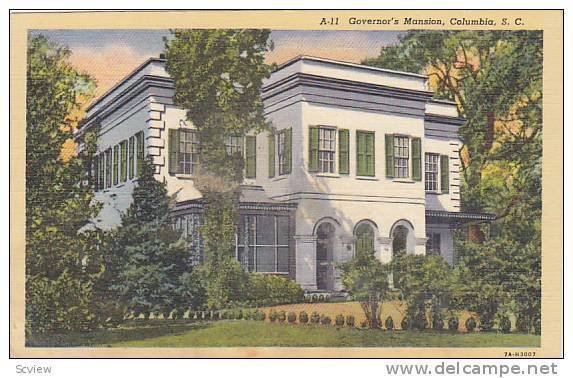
306, 261
385, 247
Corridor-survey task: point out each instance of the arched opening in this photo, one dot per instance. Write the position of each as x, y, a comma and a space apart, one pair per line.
324, 256
364, 234
399, 241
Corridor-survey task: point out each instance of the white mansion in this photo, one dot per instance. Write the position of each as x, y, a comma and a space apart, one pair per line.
362, 158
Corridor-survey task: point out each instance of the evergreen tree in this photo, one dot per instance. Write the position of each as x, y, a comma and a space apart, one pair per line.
60, 272
151, 255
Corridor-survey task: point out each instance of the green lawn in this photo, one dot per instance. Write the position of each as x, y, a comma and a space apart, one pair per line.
264, 334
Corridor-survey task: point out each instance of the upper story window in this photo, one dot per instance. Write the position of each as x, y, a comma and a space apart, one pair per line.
131, 158
326, 149
284, 151
431, 175
401, 156
108, 168
234, 145
184, 148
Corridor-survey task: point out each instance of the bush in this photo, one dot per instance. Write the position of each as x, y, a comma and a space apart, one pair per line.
350, 320
227, 285
470, 324
406, 323
303, 317
438, 322
291, 317
260, 316
522, 324
504, 324
281, 316
273, 315
269, 290
339, 320
325, 319
453, 323
421, 322
315, 318
389, 323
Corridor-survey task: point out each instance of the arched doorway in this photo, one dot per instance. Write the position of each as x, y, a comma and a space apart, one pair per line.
324, 255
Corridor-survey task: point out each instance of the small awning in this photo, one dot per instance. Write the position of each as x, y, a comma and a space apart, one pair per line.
454, 217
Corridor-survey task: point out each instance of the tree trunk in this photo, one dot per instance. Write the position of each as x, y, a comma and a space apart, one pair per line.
475, 234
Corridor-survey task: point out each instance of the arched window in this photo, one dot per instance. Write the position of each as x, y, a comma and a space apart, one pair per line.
364, 238
399, 241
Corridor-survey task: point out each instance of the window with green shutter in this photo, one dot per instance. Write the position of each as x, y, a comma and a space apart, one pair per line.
131, 158
389, 146
108, 166
365, 154
115, 165
140, 151
313, 149
123, 161
251, 157
271, 141
416, 159
174, 142
101, 181
445, 173
344, 151
288, 150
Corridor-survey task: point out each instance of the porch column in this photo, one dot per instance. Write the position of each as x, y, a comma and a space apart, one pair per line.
385, 250
420, 248
306, 261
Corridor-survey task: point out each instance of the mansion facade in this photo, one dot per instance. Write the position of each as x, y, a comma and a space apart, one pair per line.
360, 158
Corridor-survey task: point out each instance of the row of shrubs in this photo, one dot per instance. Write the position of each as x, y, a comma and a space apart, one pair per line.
406, 324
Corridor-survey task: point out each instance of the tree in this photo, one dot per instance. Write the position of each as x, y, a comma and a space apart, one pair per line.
218, 77
58, 194
151, 255
366, 280
495, 78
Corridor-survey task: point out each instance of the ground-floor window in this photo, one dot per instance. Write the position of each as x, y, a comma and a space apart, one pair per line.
433, 243
364, 239
263, 243
189, 225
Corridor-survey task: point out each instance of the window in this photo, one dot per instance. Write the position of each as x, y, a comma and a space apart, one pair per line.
433, 243
123, 161
431, 175
189, 149
365, 153
284, 138
131, 158
101, 175
115, 165
364, 239
108, 168
263, 243
271, 163
251, 157
234, 145
326, 149
189, 225
401, 156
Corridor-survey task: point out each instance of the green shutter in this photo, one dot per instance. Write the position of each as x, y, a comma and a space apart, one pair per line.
123, 166
360, 153
313, 149
95, 176
344, 149
174, 166
417, 159
445, 173
251, 157
131, 159
271, 155
389, 145
115, 169
369, 155
140, 154
288, 150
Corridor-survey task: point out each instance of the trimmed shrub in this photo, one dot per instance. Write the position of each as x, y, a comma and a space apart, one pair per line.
504, 324
303, 317
453, 323
406, 323
438, 322
421, 322
522, 324
291, 317
260, 316
265, 290
273, 316
389, 323
339, 320
325, 319
350, 321
315, 318
281, 316
470, 324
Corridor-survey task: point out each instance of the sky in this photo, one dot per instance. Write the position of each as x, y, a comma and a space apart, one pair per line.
109, 55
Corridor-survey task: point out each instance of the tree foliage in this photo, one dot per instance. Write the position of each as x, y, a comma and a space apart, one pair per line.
60, 268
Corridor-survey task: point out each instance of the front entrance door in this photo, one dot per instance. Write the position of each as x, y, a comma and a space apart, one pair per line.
324, 252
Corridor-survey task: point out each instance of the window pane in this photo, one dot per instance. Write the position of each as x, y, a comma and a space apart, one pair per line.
283, 259
265, 230
266, 259
282, 230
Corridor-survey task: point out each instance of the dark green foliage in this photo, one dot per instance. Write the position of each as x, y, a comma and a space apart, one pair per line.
350, 321
504, 324
281, 316
303, 317
269, 290
151, 255
339, 320
291, 317
453, 323
61, 291
366, 280
470, 324
406, 323
260, 316
438, 322
227, 284
325, 319
273, 315
192, 290
315, 318
389, 323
